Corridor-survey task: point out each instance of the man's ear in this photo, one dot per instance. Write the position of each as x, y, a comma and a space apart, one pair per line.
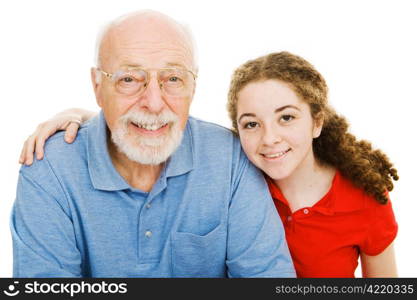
195, 85
318, 125
96, 81
192, 96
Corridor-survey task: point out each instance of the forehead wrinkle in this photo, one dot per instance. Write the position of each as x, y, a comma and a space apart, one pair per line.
168, 60
152, 48
136, 53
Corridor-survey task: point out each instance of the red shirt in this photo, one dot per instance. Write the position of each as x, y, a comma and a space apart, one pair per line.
325, 240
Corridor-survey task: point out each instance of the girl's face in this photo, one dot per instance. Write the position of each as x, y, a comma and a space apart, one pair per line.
276, 128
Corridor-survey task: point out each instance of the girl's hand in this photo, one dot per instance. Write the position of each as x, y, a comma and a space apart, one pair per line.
68, 120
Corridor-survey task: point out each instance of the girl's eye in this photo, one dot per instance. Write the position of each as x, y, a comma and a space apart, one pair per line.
287, 118
250, 125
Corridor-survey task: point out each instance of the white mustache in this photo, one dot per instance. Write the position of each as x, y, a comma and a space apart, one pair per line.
148, 119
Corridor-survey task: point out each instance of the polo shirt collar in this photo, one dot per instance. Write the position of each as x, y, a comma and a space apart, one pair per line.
324, 206
104, 175
182, 160
342, 196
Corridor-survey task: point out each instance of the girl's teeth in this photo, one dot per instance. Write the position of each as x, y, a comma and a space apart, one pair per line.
276, 154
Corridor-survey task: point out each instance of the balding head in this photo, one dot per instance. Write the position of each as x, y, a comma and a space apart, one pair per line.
146, 30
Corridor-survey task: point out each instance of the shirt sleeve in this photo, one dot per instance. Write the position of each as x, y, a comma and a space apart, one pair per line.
43, 235
256, 238
382, 229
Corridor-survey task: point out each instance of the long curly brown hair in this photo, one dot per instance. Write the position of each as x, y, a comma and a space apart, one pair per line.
366, 167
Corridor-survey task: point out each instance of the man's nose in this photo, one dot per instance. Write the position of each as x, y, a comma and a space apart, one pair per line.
271, 136
152, 99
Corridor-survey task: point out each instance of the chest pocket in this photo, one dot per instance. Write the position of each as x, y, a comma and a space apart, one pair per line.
199, 255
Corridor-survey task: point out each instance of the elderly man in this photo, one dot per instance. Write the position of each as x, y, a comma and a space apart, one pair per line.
146, 190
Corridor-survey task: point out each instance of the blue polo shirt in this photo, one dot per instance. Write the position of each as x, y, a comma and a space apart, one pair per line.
209, 214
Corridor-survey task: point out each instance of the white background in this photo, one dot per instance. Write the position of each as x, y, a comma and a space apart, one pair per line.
365, 49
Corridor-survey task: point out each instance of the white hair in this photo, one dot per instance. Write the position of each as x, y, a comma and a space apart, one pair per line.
185, 29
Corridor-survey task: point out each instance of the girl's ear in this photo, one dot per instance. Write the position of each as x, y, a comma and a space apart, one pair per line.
318, 125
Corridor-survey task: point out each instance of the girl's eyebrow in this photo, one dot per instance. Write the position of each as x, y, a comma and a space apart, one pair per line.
286, 106
246, 115
279, 109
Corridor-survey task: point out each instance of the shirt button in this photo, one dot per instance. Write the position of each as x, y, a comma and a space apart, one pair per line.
148, 233
148, 206
306, 211
289, 218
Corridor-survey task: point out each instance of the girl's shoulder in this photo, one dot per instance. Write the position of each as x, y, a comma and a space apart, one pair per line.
349, 197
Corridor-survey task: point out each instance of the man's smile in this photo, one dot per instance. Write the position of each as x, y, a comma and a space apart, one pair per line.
150, 129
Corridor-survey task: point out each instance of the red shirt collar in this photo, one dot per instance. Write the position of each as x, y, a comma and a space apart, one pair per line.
346, 199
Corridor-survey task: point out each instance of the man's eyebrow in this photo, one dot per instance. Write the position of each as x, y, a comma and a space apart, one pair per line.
131, 66
279, 109
175, 65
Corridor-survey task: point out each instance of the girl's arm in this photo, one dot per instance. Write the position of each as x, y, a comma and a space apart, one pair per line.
381, 265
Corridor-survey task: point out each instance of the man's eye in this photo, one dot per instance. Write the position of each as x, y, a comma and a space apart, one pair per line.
250, 125
127, 79
174, 79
